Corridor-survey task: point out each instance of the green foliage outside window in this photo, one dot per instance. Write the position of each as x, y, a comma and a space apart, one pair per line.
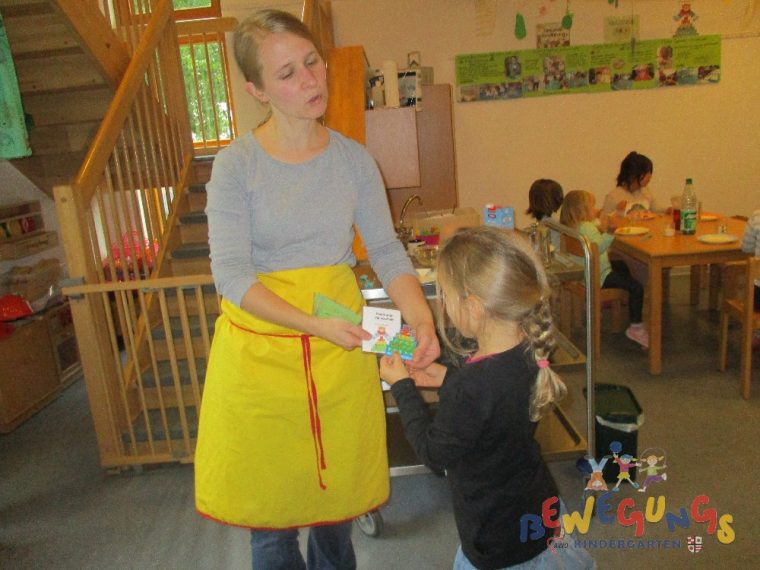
209, 106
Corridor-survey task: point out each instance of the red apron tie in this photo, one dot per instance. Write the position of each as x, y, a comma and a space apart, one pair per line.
311, 394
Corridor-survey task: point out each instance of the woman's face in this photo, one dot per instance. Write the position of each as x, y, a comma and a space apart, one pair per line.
294, 77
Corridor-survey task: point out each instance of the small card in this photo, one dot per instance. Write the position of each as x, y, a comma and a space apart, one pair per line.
388, 334
326, 308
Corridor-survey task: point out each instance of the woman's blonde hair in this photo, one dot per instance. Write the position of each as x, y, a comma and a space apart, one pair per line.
249, 33
501, 270
575, 208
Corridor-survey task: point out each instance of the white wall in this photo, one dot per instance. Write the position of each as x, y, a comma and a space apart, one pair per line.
711, 133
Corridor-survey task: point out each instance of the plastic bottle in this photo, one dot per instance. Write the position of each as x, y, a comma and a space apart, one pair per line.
688, 209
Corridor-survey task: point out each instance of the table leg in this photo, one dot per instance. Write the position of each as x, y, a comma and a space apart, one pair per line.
696, 273
715, 285
655, 318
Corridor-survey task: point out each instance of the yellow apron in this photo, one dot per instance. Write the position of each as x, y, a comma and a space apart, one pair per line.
292, 427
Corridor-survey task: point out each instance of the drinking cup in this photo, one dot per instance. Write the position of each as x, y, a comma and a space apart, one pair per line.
677, 219
670, 229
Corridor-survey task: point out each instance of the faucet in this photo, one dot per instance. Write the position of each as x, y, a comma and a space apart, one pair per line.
408, 202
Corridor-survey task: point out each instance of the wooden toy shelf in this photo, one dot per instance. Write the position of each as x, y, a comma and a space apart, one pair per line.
22, 231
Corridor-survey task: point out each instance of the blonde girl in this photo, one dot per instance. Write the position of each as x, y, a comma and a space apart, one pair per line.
579, 212
495, 291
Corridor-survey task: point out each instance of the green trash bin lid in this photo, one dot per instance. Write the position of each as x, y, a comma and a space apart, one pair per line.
617, 404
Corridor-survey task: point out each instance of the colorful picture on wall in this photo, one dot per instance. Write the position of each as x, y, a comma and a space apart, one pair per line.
588, 69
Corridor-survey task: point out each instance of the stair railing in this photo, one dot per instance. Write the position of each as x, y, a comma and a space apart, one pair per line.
159, 389
118, 215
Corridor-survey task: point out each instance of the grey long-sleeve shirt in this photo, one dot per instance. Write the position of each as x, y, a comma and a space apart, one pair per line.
265, 215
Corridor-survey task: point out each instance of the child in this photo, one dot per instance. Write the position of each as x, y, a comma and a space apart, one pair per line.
495, 290
544, 200
632, 190
578, 211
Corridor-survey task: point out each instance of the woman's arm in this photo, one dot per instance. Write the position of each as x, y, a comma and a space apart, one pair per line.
267, 305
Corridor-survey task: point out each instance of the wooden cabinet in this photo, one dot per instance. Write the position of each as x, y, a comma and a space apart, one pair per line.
435, 160
37, 360
392, 141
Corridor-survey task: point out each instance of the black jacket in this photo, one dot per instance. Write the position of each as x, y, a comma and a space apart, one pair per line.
483, 437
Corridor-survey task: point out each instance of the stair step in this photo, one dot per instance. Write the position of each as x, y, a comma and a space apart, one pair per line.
156, 425
165, 373
61, 73
193, 217
210, 305
59, 139
176, 328
191, 266
196, 200
192, 250
43, 32
48, 109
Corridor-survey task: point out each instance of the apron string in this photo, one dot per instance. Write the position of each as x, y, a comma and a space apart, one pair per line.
311, 393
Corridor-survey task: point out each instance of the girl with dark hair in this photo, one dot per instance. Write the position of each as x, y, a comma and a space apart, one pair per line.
632, 191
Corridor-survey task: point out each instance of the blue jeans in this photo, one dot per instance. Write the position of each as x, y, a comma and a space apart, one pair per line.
329, 548
563, 556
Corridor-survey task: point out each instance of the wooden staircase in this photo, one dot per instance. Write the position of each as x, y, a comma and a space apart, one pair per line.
68, 63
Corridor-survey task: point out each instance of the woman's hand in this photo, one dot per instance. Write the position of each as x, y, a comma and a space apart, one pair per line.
430, 377
393, 369
341, 332
427, 349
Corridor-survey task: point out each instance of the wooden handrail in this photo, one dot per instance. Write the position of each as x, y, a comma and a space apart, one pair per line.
111, 128
154, 283
206, 26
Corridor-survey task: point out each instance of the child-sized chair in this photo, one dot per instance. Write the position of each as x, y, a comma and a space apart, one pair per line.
577, 290
739, 305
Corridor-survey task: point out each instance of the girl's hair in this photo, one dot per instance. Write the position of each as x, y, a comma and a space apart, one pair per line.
501, 270
634, 167
249, 33
544, 198
575, 208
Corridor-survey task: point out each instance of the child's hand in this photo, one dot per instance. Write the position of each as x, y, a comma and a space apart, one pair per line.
430, 377
393, 369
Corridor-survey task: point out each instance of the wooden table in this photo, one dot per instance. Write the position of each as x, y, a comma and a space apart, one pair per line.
659, 252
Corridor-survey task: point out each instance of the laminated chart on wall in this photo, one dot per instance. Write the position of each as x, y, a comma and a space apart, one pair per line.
596, 68
14, 142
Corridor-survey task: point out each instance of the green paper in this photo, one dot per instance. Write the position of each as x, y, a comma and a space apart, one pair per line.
326, 308
520, 32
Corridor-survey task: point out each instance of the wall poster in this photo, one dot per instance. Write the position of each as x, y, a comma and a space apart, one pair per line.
596, 68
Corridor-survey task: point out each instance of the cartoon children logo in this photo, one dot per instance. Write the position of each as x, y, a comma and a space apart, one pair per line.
651, 465
651, 468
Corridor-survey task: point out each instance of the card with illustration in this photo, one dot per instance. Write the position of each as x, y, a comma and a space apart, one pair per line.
388, 333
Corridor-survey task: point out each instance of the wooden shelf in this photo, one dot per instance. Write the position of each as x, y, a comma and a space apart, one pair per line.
22, 231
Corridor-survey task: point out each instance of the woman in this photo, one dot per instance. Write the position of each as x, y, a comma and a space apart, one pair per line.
292, 427
632, 191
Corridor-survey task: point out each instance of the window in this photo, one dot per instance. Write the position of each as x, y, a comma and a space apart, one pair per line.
196, 9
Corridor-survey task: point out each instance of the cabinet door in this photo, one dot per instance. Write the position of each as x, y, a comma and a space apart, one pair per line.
392, 141
28, 372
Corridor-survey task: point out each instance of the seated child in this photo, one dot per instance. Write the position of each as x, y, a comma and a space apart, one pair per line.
578, 211
632, 190
544, 200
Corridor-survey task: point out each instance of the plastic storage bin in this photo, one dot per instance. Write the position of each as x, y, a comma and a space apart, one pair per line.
618, 418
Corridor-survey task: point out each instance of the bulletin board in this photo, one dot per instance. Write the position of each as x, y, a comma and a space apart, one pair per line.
647, 64
590, 46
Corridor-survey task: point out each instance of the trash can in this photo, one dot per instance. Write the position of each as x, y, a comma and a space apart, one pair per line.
618, 419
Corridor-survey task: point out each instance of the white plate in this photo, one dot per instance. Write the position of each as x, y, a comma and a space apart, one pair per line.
708, 218
717, 238
631, 231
